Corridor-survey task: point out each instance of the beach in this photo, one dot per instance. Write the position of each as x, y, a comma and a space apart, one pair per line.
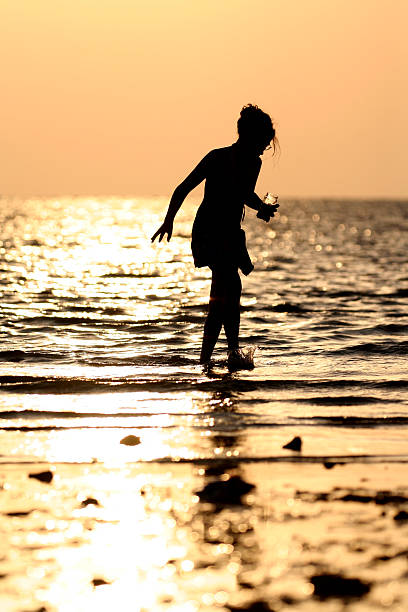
131, 478
140, 538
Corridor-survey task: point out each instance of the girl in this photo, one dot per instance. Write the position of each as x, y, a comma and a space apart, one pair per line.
217, 238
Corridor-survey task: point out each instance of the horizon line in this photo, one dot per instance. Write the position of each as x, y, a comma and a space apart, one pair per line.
375, 198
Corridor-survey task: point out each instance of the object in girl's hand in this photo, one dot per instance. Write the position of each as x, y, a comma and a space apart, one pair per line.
268, 207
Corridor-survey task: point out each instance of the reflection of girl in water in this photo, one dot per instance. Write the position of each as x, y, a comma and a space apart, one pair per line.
217, 238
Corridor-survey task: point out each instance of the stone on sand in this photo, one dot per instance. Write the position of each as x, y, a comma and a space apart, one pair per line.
130, 440
45, 476
295, 444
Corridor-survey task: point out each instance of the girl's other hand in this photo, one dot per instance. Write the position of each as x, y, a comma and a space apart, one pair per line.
165, 228
266, 211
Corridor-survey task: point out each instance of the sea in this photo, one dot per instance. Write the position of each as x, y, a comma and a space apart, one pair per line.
101, 333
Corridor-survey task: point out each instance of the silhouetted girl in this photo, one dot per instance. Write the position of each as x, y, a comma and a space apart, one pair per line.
217, 238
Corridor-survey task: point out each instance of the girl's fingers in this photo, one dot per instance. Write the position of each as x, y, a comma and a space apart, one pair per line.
161, 234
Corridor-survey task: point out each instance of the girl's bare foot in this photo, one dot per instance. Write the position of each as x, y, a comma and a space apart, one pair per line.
238, 360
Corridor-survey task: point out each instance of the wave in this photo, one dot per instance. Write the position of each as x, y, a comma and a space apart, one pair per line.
388, 328
375, 348
326, 460
67, 414
363, 422
289, 308
344, 400
187, 382
50, 322
18, 355
154, 274
140, 360
225, 421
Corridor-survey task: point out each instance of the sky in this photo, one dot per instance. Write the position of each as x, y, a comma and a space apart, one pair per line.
124, 97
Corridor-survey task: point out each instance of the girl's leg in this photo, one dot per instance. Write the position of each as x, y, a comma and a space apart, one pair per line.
232, 309
215, 316
223, 309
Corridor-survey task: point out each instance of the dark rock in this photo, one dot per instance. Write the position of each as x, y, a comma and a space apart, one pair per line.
401, 516
99, 582
330, 464
386, 497
353, 497
225, 491
295, 444
334, 585
21, 513
46, 476
89, 501
130, 440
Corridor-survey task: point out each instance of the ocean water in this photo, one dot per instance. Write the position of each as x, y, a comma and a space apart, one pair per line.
101, 332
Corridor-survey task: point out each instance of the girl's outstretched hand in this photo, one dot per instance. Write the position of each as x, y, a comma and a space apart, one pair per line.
165, 228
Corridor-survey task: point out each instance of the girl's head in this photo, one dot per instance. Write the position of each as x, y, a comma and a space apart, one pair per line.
255, 129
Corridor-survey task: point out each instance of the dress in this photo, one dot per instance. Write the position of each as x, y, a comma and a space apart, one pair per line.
217, 240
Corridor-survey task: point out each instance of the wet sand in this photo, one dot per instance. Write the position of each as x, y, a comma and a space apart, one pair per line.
194, 536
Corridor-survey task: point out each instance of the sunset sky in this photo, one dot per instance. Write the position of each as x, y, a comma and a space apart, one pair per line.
124, 97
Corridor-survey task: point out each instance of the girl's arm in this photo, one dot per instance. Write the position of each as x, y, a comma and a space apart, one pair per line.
179, 195
252, 199
265, 211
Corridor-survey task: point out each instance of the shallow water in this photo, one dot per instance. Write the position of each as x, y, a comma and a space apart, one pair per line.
101, 330
101, 334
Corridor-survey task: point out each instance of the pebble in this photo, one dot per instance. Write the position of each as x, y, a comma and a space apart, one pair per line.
334, 585
46, 476
89, 501
99, 582
401, 516
130, 440
295, 444
225, 491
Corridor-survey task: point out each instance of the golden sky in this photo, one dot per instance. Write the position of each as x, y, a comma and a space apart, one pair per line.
124, 97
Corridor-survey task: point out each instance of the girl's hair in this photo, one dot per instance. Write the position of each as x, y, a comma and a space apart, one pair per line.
254, 123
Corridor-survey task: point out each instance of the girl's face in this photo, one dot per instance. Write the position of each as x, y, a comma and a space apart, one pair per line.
265, 144
258, 146
255, 145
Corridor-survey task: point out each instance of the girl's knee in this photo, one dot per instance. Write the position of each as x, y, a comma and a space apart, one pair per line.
226, 287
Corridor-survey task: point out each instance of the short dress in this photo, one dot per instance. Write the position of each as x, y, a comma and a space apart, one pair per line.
217, 239
218, 247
